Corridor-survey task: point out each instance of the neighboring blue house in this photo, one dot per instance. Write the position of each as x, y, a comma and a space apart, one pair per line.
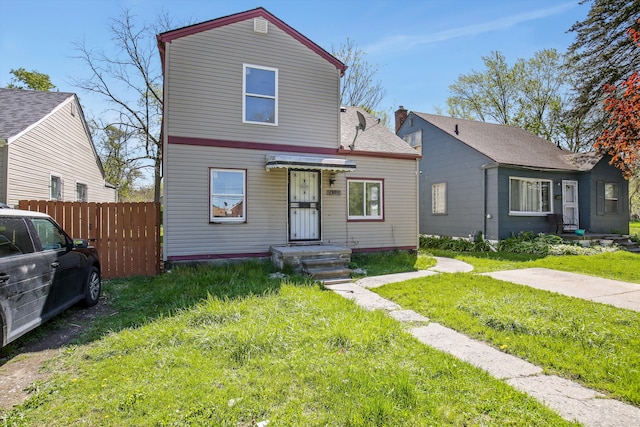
501, 180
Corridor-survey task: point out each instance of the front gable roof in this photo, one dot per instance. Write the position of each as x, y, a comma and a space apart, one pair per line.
22, 109
375, 138
510, 145
259, 12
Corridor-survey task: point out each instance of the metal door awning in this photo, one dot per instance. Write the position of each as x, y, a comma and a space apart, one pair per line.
308, 162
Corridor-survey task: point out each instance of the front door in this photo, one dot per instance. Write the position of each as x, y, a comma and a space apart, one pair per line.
570, 205
304, 205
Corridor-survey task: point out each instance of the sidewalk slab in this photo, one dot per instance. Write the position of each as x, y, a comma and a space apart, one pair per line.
479, 354
575, 402
363, 297
377, 281
596, 289
450, 265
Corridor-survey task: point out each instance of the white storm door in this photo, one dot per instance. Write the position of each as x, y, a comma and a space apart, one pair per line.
570, 205
304, 205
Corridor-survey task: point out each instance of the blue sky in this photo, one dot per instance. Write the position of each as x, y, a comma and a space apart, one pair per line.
421, 47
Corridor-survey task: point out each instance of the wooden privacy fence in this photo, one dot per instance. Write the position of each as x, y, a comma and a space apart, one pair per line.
127, 235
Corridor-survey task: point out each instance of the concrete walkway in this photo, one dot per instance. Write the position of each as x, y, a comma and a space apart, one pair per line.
571, 400
606, 291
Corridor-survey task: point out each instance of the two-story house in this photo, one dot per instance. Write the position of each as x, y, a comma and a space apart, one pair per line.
258, 152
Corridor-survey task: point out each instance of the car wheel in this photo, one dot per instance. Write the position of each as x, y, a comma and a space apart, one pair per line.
92, 288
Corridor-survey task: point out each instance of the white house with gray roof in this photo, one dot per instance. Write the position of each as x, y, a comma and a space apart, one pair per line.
258, 152
46, 151
502, 180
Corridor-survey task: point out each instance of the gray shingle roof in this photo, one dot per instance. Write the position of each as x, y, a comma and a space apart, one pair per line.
509, 145
22, 108
375, 138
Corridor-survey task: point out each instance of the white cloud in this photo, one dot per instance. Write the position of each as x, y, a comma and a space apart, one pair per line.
407, 42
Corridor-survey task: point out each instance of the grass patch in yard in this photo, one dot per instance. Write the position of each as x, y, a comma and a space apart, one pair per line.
231, 347
594, 344
620, 265
377, 263
634, 228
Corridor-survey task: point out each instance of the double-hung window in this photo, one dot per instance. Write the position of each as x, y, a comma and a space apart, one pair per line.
365, 199
610, 198
530, 196
260, 98
228, 195
56, 188
81, 192
439, 198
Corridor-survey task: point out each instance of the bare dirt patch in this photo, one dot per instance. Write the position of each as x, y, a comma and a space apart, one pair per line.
29, 354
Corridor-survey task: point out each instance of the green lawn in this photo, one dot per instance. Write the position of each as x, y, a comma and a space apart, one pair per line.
595, 344
620, 265
229, 346
634, 228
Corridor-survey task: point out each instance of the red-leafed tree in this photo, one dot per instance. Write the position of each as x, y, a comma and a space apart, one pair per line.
622, 139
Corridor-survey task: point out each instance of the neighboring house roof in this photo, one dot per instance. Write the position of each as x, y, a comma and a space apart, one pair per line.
509, 145
259, 12
24, 108
375, 138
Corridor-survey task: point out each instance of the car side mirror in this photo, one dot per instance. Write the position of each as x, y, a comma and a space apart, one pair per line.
80, 243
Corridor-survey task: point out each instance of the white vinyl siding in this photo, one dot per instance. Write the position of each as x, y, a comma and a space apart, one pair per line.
204, 87
399, 228
188, 230
439, 198
59, 145
530, 196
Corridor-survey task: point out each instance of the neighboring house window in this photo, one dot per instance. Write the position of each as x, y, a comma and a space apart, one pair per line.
260, 99
228, 195
610, 198
530, 196
414, 139
439, 198
365, 199
56, 188
81, 192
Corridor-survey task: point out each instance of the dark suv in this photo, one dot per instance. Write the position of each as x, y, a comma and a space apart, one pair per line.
42, 272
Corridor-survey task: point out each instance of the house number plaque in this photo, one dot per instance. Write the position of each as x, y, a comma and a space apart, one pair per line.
334, 192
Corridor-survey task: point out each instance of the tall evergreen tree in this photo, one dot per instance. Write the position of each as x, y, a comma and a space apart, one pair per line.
601, 54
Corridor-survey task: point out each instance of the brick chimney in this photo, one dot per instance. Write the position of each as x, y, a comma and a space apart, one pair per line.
401, 116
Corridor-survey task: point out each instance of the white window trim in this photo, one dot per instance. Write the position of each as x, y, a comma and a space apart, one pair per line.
532, 213
365, 217
86, 186
214, 219
244, 94
443, 186
617, 198
55, 175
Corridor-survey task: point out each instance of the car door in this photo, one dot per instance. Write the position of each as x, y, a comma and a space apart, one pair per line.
68, 282
25, 279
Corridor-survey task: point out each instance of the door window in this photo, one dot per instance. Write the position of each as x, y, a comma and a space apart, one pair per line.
51, 237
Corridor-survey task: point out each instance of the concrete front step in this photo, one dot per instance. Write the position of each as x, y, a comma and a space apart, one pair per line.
324, 262
322, 273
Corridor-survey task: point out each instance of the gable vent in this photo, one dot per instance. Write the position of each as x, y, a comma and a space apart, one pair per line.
260, 26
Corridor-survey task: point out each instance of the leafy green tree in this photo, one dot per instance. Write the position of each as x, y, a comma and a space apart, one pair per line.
602, 54
121, 168
529, 94
358, 86
23, 79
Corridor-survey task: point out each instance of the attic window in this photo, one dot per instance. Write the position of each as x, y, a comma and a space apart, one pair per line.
260, 26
